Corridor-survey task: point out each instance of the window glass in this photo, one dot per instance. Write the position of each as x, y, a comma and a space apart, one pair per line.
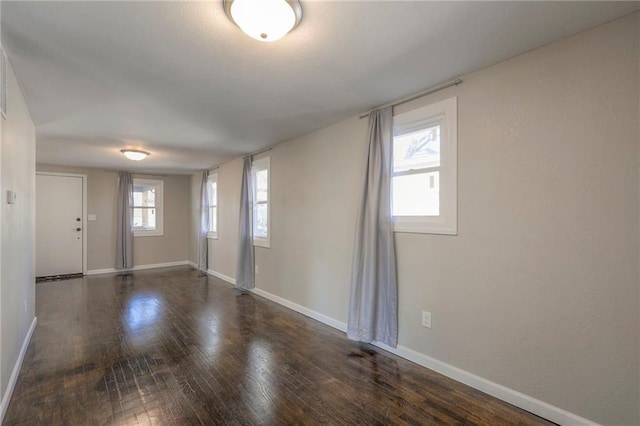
144, 215
144, 219
417, 150
213, 226
144, 195
424, 169
212, 194
261, 221
260, 182
261, 185
416, 195
147, 205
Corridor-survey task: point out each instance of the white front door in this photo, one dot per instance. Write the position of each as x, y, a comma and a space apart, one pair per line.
59, 223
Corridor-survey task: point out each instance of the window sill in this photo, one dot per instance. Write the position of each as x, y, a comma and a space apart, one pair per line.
421, 226
262, 243
212, 235
148, 233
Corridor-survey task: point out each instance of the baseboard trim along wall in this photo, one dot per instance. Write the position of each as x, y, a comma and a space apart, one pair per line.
216, 274
535, 406
301, 309
528, 403
16, 370
504, 393
222, 276
139, 267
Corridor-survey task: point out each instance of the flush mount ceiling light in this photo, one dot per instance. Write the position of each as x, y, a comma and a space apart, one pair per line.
264, 20
134, 154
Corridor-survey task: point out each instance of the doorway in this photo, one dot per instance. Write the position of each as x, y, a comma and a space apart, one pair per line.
60, 224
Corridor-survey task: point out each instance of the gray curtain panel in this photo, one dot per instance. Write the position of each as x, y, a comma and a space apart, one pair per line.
203, 230
124, 226
245, 274
373, 302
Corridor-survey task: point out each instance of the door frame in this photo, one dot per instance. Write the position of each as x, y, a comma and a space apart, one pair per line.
84, 211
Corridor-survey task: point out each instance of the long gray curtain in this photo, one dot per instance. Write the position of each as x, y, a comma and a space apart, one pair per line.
124, 230
373, 302
245, 274
203, 230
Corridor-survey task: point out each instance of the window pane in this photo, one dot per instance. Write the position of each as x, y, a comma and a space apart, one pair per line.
262, 182
260, 221
144, 219
213, 225
213, 193
417, 150
137, 218
416, 195
144, 195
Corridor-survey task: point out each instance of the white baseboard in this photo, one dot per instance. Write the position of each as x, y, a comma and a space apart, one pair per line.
222, 276
192, 264
138, 267
216, 274
513, 397
304, 311
6, 398
535, 406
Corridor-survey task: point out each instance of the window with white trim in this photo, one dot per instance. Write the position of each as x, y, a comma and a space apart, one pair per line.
260, 184
212, 205
424, 173
147, 207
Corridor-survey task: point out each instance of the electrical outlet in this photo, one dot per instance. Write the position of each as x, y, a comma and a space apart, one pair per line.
25, 306
257, 269
426, 319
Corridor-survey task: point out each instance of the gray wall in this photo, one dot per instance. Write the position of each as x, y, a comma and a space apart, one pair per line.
222, 250
101, 235
540, 290
194, 216
17, 281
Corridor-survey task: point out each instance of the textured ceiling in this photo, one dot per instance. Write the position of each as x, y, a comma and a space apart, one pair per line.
178, 79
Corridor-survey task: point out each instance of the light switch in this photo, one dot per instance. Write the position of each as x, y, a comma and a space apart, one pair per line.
92, 218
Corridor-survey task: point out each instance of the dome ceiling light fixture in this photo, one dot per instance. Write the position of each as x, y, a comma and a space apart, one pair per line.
135, 154
264, 20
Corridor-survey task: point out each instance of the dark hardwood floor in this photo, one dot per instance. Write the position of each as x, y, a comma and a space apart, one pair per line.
170, 346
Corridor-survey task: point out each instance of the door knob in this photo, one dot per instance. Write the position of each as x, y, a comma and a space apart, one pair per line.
78, 229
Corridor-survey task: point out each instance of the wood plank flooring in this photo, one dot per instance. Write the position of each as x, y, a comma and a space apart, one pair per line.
170, 346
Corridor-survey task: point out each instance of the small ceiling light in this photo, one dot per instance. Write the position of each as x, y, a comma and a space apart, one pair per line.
134, 154
264, 20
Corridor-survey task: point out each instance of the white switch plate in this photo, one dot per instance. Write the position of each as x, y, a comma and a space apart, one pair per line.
92, 218
426, 319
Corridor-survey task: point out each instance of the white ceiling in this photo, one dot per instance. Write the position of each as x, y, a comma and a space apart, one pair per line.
178, 79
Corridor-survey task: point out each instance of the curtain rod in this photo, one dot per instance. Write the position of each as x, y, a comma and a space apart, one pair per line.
135, 173
247, 155
257, 152
410, 98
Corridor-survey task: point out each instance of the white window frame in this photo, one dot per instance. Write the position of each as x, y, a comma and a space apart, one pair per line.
159, 185
446, 113
258, 165
213, 178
